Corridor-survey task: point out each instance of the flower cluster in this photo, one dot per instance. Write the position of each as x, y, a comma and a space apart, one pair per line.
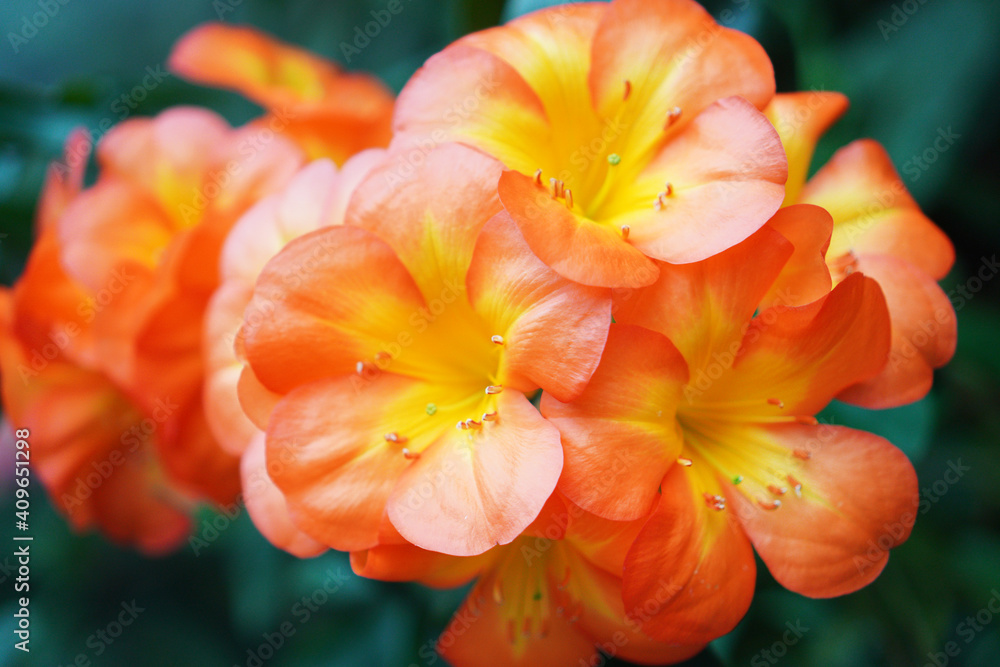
559, 320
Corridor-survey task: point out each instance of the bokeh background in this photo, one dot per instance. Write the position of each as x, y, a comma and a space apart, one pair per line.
915, 70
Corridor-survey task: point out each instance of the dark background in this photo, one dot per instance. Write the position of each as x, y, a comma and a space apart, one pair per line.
911, 69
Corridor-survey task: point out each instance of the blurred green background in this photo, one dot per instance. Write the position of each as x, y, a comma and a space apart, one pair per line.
912, 69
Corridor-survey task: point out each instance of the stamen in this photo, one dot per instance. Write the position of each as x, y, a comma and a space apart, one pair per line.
628, 90
431, 408
808, 420
659, 203
777, 402
557, 187
614, 159
497, 339
489, 416
565, 580
538, 177
672, 117
360, 368
714, 502
796, 486
777, 490
382, 356
407, 454
494, 389
395, 437
769, 504
569, 198
687, 463
497, 592
473, 424
625, 230
462, 425
803, 454
669, 189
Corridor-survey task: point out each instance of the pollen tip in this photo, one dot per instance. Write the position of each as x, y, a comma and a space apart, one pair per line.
538, 177
803, 454
687, 463
777, 402
777, 490
625, 231
769, 504
494, 389
489, 416
407, 454
569, 198
395, 437
668, 189
672, 117
628, 90
360, 368
497, 339
808, 420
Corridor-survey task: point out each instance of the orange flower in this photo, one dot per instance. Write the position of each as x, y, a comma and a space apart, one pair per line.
426, 310
316, 197
93, 446
630, 130
709, 410
880, 231
551, 597
327, 112
146, 239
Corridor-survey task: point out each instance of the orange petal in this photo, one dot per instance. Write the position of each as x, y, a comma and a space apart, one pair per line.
552, 330
468, 95
805, 277
63, 180
405, 562
924, 334
337, 296
727, 173
472, 490
801, 118
478, 636
858, 499
674, 55
805, 356
873, 212
704, 307
266, 505
689, 577
430, 212
574, 246
620, 436
336, 469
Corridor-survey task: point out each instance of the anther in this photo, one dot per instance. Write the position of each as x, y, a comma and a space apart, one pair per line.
395, 437
628, 90
673, 116
538, 177
569, 198
489, 416
808, 420
714, 502
360, 368
777, 402
687, 463
382, 356
497, 339
660, 203
407, 454
769, 504
796, 486
494, 389
565, 581
777, 490
497, 592
625, 230
803, 454
473, 424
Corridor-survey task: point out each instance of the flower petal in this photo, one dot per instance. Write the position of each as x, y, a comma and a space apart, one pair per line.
873, 212
266, 505
726, 172
805, 277
338, 296
552, 330
924, 334
858, 499
574, 246
801, 118
689, 577
472, 490
620, 436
